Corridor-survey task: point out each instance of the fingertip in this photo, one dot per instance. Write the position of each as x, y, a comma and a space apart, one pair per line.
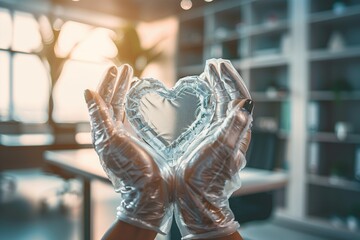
112, 71
226, 65
105, 87
213, 77
249, 106
232, 78
242, 104
125, 70
88, 95
126, 73
125, 66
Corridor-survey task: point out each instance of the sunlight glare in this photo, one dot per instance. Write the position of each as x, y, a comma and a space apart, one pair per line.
71, 34
87, 43
45, 29
5, 26
69, 92
4, 85
98, 46
27, 37
31, 89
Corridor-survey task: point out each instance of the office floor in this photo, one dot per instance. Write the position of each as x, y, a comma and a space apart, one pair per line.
25, 218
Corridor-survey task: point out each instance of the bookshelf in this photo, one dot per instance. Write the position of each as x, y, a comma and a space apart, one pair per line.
334, 144
301, 62
254, 35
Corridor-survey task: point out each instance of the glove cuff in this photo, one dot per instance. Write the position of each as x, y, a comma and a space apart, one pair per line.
163, 227
220, 231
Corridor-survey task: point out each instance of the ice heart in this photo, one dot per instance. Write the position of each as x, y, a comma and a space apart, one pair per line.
170, 119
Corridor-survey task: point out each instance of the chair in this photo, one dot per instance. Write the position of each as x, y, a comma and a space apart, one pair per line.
261, 154
8, 185
62, 198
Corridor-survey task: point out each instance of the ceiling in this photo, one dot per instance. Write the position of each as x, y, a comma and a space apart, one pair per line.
106, 13
143, 10
114, 11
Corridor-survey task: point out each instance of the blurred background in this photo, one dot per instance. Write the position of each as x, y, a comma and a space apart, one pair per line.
299, 58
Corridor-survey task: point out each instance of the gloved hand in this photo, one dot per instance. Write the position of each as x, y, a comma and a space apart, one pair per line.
140, 175
214, 159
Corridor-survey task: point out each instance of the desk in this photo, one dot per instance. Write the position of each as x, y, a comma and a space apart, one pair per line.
15, 140
19, 151
23, 150
85, 164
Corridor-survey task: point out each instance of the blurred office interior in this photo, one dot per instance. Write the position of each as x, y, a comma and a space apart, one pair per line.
299, 58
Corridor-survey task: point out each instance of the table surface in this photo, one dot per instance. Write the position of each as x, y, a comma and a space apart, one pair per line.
85, 162
16, 140
44, 139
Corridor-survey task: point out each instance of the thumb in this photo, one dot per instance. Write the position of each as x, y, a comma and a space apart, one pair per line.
100, 120
236, 125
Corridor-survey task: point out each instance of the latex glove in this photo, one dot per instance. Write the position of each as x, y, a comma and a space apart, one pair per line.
215, 159
140, 175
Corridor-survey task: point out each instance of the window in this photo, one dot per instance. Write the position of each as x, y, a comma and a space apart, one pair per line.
30, 89
69, 92
6, 28
23, 80
90, 48
85, 51
4, 85
26, 33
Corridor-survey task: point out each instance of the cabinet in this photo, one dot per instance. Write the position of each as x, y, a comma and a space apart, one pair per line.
301, 62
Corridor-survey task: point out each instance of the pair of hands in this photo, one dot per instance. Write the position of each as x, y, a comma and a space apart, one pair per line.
198, 183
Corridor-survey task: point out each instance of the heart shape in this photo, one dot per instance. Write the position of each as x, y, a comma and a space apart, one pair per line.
170, 119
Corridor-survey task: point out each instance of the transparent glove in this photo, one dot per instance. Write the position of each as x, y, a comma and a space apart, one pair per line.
140, 175
214, 160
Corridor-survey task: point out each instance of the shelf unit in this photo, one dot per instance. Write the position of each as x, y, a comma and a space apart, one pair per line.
300, 60
334, 98
254, 35
333, 182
